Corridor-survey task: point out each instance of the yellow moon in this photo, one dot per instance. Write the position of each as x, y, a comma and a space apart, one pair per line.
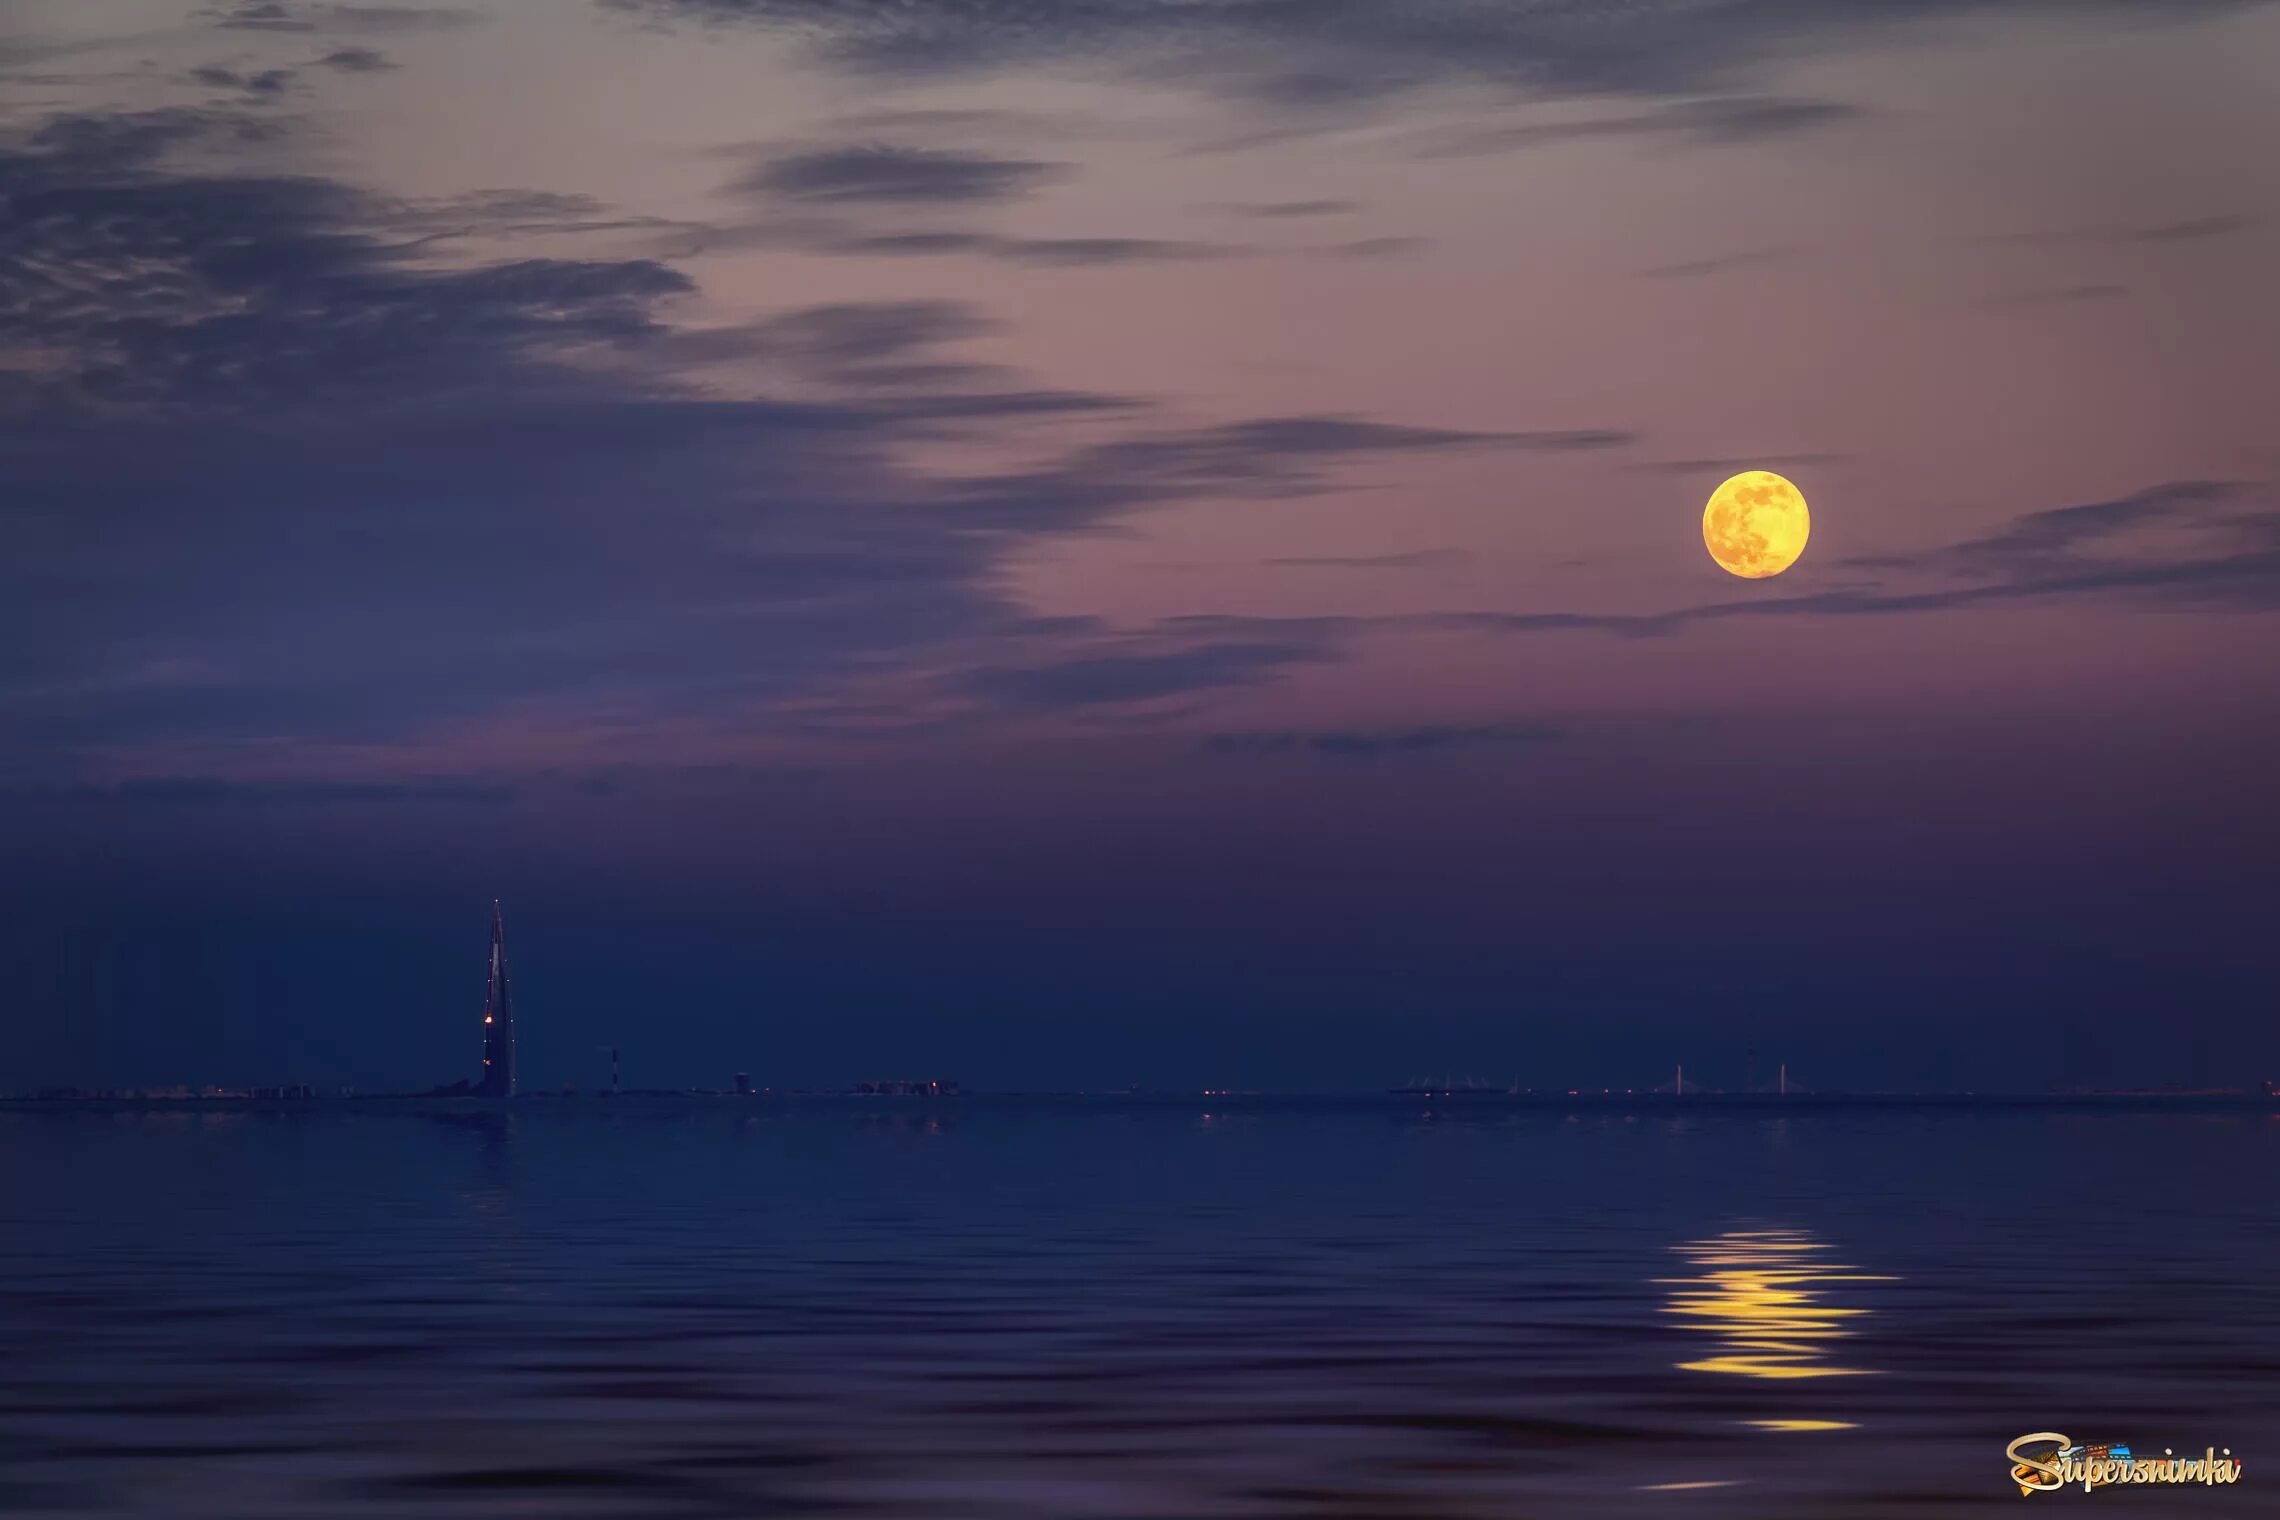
1755, 524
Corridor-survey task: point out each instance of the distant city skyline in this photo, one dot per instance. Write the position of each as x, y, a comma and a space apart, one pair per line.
1073, 546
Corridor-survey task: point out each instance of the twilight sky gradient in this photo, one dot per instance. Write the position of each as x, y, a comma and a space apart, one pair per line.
1077, 543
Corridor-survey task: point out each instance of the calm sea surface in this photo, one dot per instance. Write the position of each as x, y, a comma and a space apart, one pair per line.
1005, 1310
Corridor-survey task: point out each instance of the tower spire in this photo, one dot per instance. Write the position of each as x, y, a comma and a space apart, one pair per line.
498, 1018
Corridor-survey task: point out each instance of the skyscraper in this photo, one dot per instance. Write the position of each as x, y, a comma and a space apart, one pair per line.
498, 1020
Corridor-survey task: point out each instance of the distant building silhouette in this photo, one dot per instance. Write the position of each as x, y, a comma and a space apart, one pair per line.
498, 1020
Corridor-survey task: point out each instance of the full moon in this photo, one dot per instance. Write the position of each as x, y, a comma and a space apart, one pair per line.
1755, 524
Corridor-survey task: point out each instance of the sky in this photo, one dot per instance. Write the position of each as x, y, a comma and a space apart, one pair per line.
1139, 541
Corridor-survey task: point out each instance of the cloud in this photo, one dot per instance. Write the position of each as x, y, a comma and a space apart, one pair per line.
286, 482
139, 284
2057, 544
1692, 269
1333, 434
877, 174
866, 332
829, 237
213, 790
1268, 458
1285, 210
853, 343
980, 120
2060, 295
2184, 543
1414, 559
239, 408
832, 198
1735, 463
1378, 247
920, 243
356, 60
273, 16
1315, 59
2198, 229
88, 145
266, 82
2191, 230
1108, 679
264, 16
1101, 250
498, 213
1738, 119
1367, 744
393, 18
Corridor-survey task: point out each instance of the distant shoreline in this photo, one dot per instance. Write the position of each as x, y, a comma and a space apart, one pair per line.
1762, 1104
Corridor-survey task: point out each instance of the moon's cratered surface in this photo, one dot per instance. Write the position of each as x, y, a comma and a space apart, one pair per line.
1755, 524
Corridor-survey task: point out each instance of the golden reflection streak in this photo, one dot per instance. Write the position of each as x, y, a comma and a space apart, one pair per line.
1760, 1295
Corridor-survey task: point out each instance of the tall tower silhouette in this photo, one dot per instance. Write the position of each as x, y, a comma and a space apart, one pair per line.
498, 1019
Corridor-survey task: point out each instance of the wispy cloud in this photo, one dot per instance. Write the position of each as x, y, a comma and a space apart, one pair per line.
1318, 60
2186, 543
854, 336
212, 791
280, 16
356, 60
1268, 458
838, 237
2194, 230
264, 82
1378, 247
1286, 210
2191, 542
1735, 463
2057, 295
2198, 229
1414, 559
1737, 119
1107, 679
1077, 251
1378, 743
882, 174
1692, 269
